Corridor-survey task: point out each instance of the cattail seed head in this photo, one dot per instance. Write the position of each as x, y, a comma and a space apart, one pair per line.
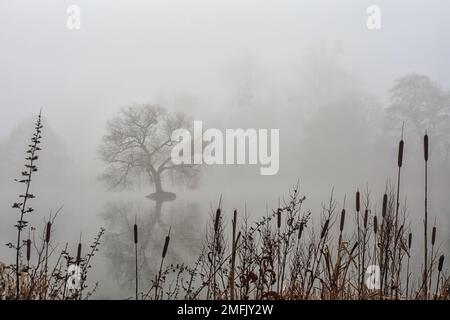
358, 205
441, 263
28, 249
234, 216
324, 229
135, 233
375, 224
279, 218
409, 240
79, 253
341, 226
366, 217
385, 200
166, 245
433, 236
425, 146
216, 221
400, 153
48, 232
300, 230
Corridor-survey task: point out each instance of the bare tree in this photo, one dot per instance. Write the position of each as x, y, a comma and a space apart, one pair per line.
137, 149
420, 102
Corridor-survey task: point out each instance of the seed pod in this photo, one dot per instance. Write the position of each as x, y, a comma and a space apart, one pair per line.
385, 200
441, 263
400, 153
300, 230
48, 231
341, 226
366, 216
324, 229
358, 207
279, 218
28, 249
409, 240
79, 253
375, 224
425, 146
166, 245
433, 236
135, 233
216, 221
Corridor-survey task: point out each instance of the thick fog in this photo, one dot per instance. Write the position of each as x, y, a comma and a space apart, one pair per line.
312, 69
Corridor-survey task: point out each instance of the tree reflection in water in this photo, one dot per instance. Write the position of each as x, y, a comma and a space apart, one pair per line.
186, 224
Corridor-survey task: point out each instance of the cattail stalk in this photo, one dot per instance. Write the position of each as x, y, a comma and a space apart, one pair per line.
375, 232
48, 231
135, 238
278, 247
407, 267
163, 256
78, 261
341, 228
233, 256
399, 265
360, 271
433, 240
440, 265
397, 205
66, 276
363, 263
425, 220
384, 257
215, 246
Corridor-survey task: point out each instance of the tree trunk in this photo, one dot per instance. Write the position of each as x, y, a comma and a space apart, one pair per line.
159, 197
158, 185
